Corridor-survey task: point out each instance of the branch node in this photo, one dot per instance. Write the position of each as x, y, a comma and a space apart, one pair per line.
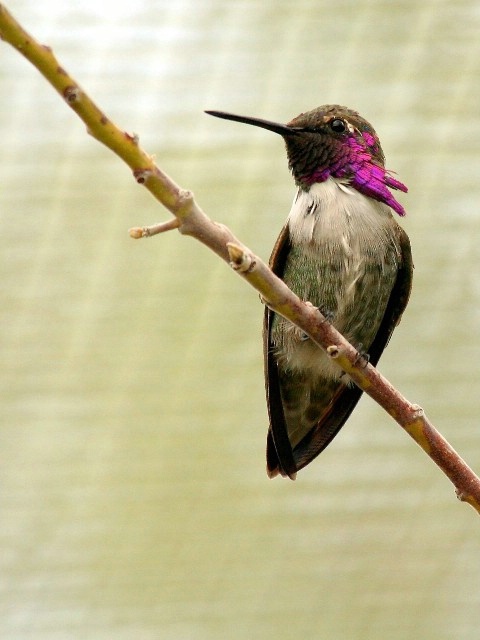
417, 411
468, 498
142, 175
183, 201
134, 138
333, 351
240, 260
72, 94
184, 196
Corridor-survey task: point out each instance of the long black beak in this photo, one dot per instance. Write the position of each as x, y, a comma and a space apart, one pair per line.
276, 127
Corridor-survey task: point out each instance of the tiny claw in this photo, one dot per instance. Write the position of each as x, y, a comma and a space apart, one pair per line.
328, 314
362, 357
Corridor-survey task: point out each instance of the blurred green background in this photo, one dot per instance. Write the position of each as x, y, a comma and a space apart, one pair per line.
133, 496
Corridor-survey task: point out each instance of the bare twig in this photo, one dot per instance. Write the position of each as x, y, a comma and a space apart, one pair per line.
190, 220
161, 227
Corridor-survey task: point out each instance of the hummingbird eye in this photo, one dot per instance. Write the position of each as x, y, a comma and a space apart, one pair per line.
337, 125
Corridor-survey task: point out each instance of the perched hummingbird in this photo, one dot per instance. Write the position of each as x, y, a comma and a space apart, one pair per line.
342, 250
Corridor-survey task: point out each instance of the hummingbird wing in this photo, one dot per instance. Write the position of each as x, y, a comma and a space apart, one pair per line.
342, 398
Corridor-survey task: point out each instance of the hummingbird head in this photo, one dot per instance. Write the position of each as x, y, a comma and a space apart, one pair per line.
333, 142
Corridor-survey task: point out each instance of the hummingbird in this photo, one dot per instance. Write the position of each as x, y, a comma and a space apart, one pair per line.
342, 250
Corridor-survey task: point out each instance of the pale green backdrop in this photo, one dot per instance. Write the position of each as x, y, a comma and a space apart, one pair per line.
133, 497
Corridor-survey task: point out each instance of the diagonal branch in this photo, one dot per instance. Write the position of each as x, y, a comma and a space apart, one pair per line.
191, 220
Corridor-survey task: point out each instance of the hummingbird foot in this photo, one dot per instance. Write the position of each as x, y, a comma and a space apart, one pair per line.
362, 358
328, 314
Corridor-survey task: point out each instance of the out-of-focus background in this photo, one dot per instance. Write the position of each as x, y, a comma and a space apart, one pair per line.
133, 497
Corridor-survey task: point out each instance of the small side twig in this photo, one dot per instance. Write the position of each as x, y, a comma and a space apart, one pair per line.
161, 227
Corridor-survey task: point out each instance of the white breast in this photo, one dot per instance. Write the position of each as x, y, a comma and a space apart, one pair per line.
351, 231
333, 212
